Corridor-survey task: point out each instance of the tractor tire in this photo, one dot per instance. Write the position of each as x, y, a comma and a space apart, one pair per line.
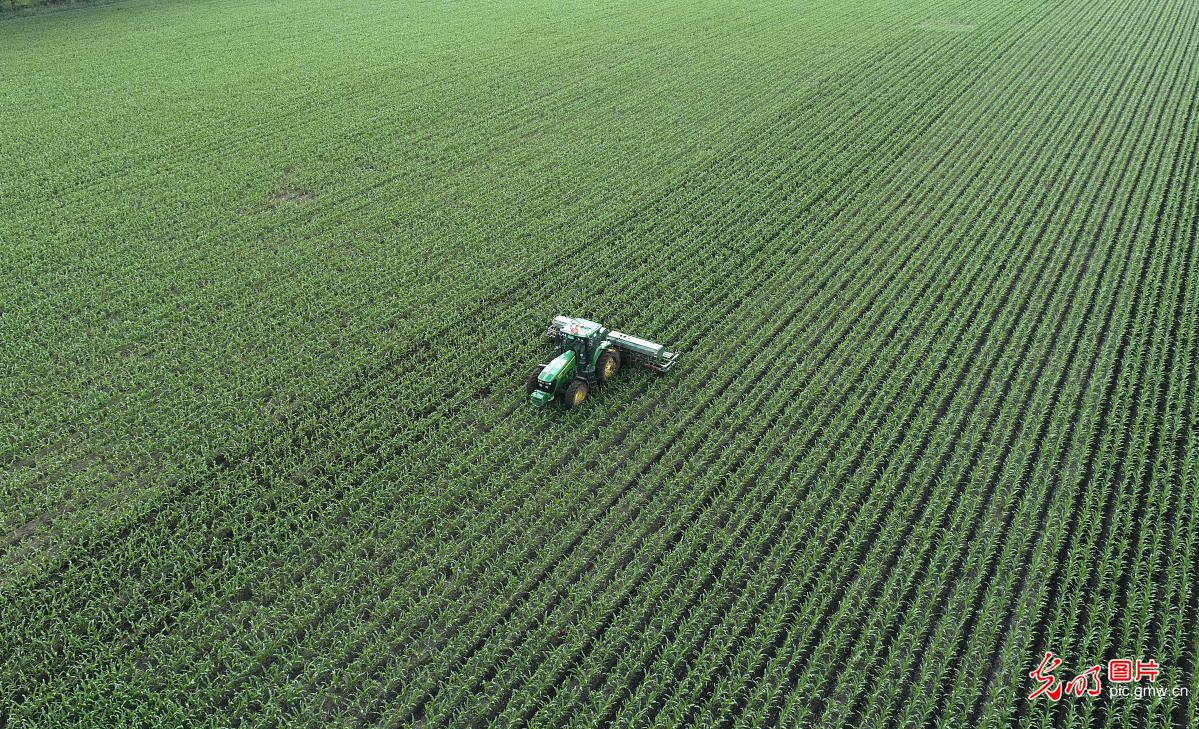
575, 394
607, 366
531, 381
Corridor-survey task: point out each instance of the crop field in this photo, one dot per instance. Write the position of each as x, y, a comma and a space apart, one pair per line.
274, 274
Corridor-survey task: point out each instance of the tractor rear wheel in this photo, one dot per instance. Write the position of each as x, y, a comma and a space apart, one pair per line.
531, 381
607, 366
576, 393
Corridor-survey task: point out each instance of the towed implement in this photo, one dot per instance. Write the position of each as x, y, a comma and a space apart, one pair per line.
588, 355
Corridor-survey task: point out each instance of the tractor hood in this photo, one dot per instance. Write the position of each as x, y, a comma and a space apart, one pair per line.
552, 371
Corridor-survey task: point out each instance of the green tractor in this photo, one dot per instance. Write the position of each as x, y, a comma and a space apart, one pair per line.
589, 355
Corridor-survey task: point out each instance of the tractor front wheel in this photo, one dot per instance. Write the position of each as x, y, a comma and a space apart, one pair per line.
607, 366
531, 382
576, 393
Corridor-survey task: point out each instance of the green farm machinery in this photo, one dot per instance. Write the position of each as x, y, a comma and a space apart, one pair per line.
589, 355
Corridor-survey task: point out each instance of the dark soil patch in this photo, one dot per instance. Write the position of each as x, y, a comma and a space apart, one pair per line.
293, 194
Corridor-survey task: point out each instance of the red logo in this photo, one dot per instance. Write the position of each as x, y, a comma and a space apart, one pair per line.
1088, 683
1041, 674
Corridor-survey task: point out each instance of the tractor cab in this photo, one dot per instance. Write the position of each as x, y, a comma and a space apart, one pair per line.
582, 346
579, 336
